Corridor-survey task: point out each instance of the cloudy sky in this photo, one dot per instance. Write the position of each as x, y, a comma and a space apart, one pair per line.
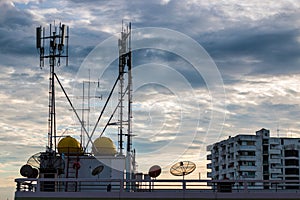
203, 70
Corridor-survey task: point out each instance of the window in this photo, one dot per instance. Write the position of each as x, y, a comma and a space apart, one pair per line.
251, 143
293, 171
291, 162
248, 174
247, 153
248, 163
291, 153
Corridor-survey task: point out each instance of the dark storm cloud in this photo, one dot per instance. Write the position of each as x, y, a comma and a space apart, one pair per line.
16, 36
261, 49
13, 18
182, 66
270, 52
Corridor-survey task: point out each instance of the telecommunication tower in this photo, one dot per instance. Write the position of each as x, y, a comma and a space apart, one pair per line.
52, 47
125, 61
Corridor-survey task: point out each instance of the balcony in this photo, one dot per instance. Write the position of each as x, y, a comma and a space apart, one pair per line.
209, 157
292, 166
275, 151
246, 158
291, 158
248, 177
275, 160
246, 148
292, 175
209, 166
275, 178
276, 156
209, 174
247, 168
274, 141
275, 171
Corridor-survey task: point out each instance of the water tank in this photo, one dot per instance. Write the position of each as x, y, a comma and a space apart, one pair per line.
69, 145
104, 146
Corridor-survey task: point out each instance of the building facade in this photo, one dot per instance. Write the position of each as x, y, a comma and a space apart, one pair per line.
256, 157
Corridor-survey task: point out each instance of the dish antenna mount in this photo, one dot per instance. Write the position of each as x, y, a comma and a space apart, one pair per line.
182, 168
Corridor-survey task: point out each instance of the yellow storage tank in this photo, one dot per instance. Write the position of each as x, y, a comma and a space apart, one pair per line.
104, 146
69, 145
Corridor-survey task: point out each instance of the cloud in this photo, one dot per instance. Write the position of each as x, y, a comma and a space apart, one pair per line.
254, 44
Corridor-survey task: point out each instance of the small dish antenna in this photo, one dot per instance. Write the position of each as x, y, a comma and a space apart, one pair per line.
154, 171
182, 168
97, 170
35, 160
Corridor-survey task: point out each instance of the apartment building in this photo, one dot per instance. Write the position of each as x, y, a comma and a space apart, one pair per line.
255, 157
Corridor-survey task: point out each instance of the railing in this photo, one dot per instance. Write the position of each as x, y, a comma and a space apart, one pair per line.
248, 158
116, 185
275, 151
246, 147
209, 157
276, 171
209, 174
247, 168
275, 160
209, 166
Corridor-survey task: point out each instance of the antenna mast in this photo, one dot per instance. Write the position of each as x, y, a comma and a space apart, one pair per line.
58, 39
125, 60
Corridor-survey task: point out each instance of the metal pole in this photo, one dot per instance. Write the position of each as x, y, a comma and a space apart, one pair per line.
121, 78
82, 115
129, 93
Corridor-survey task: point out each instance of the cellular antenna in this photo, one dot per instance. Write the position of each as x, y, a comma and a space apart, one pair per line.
54, 49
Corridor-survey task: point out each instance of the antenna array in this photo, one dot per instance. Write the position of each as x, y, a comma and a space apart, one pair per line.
55, 49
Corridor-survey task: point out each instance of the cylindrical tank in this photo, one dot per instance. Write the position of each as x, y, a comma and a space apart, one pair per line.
69, 145
104, 146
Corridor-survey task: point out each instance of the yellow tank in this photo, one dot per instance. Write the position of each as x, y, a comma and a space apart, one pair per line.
104, 146
69, 145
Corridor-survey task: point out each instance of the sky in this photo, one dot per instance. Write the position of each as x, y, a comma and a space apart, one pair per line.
202, 71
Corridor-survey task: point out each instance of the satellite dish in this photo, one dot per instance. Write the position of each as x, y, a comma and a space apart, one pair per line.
97, 170
29, 172
35, 160
154, 171
51, 161
26, 171
182, 168
35, 173
56, 162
